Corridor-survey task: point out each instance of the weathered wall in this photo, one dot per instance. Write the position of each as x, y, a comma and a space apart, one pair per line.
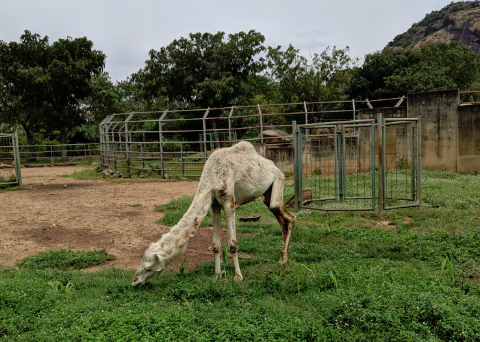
438, 113
468, 139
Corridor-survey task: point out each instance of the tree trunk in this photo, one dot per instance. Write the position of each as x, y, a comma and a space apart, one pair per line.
33, 153
63, 140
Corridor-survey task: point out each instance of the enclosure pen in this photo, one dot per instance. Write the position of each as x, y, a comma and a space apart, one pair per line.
356, 149
178, 142
10, 173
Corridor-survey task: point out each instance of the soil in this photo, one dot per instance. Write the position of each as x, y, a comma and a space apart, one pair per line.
119, 216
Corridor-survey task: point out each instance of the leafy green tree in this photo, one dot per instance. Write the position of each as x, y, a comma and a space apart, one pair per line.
23, 82
203, 70
72, 64
323, 78
436, 66
43, 86
107, 98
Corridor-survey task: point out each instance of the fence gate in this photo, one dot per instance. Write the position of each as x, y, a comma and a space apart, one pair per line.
9, 160
357, 165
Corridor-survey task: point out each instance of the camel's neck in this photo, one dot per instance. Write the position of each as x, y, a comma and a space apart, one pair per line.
197, 210
175, 241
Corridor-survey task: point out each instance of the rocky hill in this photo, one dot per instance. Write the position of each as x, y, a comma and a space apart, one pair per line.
458, 21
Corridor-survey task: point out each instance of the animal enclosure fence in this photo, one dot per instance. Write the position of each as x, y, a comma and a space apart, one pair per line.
53, 153
178, 142
9, 160
358, 165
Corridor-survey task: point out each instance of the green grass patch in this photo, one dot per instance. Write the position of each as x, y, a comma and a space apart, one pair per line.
64, 259
349, 278
88, 174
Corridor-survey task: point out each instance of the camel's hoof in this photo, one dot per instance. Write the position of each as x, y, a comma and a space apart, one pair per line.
238, 277
282, 261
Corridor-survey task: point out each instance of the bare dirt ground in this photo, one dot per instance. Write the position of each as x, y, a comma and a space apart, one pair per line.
91, 214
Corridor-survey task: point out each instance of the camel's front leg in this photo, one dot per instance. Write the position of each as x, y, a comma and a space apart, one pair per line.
216, 210
229, 209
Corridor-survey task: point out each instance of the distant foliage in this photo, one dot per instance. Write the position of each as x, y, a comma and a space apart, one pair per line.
436, 66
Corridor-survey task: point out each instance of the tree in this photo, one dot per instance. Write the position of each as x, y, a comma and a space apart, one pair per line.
324, 78
23, 82
436, 66
72, 64
42, 86
203, 70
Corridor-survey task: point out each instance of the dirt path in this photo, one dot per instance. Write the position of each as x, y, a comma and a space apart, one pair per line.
90, 214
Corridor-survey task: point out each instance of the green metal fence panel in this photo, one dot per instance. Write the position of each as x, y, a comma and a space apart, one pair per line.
10, 173
401, 163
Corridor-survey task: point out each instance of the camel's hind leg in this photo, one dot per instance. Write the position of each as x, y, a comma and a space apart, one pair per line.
273, 199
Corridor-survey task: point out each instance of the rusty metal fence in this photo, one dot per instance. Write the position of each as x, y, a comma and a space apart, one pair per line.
357, 165
178, 142
52, 153
9, 160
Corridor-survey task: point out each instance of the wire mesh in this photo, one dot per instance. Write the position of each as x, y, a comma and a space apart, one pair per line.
9, 173
401, 163
338, 165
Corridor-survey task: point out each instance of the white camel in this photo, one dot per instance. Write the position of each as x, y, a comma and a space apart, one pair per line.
231, 177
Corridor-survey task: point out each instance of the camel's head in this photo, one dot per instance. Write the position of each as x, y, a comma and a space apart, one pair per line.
152, 264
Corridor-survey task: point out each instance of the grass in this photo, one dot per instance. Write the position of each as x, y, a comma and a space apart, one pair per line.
88, 174
348, 279
63, 259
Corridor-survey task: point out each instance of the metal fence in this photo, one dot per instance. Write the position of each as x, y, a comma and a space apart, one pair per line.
52, 153
336, 163
9, 160
178, 142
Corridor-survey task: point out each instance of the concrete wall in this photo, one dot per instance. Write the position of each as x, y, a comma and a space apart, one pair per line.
468, 139
438, 113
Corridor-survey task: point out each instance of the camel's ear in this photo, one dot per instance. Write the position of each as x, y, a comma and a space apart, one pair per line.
160, 265
150, 245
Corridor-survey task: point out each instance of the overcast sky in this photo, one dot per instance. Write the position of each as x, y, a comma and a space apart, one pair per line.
127, 30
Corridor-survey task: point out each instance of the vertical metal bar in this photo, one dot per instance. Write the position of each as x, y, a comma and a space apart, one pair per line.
344, 164
127, 140
296, 167
381, 170
141, 150
353, 106
261, 123
230, 126
181, 158
16, 156
300, 166
335, 152
205, 135
307, 131
419, 141
160, 139
412, 171
372, 132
